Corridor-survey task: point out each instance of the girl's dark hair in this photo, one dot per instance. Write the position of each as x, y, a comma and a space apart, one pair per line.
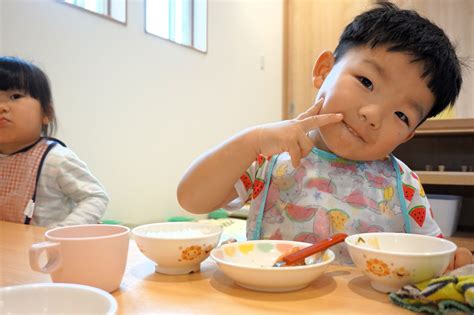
18, 74
406, 31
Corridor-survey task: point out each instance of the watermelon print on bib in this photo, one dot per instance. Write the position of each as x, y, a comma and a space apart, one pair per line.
327, 194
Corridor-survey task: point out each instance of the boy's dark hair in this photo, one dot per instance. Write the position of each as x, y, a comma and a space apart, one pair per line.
405, 31
18, 74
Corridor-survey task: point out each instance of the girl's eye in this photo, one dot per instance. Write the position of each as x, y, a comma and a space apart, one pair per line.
366, 82
402, 117
16, 96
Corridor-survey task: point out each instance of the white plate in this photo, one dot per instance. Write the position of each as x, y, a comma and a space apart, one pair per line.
250, 263
55, 298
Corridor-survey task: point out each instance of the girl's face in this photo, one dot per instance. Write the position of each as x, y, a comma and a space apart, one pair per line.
21, 120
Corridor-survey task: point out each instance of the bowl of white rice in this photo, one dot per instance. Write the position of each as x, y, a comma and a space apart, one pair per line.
177, 247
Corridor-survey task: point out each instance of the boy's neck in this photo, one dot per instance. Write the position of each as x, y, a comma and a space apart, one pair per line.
318, 141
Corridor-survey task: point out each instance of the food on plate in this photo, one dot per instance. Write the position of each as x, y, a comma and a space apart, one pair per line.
300, 262
372, 242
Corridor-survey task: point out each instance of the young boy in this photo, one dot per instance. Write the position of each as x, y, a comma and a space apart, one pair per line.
331, 170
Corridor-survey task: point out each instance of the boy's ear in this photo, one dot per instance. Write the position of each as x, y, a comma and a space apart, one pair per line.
322, 67
45, 120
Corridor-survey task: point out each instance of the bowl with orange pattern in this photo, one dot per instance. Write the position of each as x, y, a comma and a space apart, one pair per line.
250, 265
177, 247
392, 260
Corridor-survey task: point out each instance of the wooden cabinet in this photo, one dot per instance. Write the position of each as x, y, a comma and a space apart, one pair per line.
449, 143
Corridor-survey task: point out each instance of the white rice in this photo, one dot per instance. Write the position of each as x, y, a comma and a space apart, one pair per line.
185, 233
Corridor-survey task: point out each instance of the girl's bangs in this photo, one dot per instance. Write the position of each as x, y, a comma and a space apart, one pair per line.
15, 76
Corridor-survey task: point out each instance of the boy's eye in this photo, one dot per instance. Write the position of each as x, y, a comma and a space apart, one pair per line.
16, 96
366, 82
402, 117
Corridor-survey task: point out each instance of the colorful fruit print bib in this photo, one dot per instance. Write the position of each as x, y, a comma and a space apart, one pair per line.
328, 194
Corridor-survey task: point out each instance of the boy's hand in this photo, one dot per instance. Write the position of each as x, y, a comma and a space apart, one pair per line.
291, 135
462, 257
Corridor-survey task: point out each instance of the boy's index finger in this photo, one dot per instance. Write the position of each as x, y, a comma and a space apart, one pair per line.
313, 110
316, 121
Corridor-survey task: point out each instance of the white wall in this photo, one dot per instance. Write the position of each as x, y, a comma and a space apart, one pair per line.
139, 109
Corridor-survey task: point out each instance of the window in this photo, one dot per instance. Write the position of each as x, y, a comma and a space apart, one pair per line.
114, 9
181, 21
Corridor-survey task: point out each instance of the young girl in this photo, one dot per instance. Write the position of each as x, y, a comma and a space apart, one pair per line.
42, 182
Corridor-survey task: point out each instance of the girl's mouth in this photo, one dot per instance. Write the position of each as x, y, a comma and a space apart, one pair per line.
3, 121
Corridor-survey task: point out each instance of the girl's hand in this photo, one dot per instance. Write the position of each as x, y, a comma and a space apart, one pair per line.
291, 135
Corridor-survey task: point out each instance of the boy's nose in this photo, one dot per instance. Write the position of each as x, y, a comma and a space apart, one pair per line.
372, 115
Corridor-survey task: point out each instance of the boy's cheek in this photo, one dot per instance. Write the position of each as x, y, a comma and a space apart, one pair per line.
338, 100
332, 104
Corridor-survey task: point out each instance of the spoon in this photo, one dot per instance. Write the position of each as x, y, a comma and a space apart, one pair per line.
301, 254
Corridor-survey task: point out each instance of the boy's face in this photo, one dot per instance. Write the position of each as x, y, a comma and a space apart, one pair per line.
381, 95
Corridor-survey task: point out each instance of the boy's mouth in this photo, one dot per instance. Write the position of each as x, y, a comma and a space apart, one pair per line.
352, 131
